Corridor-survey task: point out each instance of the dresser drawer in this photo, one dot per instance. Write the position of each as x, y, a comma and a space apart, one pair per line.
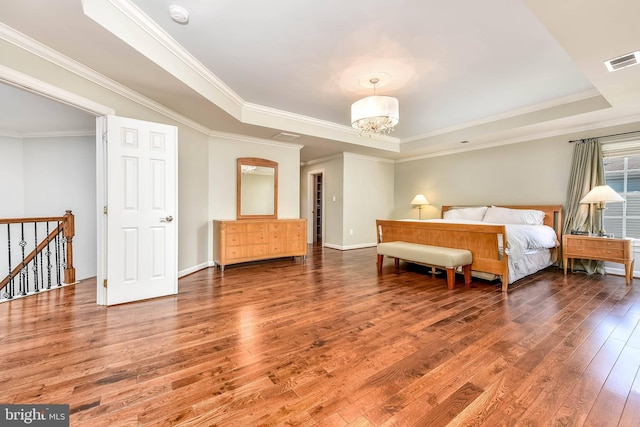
296, 226
277, 226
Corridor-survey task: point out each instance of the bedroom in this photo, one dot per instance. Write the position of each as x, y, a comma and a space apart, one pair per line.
363, 186
532, 171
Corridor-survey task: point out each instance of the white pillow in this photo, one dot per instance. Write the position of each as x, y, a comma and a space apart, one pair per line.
499, 215
467, 214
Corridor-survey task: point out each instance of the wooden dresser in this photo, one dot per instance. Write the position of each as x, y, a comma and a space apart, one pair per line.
252, 240
599, 248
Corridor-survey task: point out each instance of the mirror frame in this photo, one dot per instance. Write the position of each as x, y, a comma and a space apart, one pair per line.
255, 161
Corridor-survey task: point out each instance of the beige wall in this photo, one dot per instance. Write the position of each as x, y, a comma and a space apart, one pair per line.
357, 191
368, 195
534, 172
332, 175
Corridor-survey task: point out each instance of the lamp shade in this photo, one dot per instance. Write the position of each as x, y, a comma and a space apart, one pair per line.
419, 200
602, 194
375, 114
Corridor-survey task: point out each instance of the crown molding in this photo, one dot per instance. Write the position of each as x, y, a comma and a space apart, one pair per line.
52, 134
347, 154
510, 114
138, 17
563, 131
42, 51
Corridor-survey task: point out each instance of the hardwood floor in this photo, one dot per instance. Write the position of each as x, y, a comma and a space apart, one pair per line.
331, 343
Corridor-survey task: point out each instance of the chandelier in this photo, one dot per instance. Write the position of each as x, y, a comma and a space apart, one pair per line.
375, 115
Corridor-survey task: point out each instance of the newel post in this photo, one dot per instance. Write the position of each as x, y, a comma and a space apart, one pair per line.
68, 231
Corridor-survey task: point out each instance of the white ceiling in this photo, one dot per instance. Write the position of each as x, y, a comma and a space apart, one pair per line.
490, 72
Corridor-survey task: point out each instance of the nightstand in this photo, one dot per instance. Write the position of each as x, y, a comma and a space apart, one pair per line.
599, 248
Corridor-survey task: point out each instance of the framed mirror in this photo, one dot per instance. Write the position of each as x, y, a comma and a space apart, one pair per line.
257, 192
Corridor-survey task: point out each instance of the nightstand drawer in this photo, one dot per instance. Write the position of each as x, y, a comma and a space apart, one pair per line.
595, 252
600, 243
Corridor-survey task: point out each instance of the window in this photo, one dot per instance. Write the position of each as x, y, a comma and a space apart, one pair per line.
622, 173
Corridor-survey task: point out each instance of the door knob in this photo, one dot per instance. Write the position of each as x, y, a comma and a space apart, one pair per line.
168, 218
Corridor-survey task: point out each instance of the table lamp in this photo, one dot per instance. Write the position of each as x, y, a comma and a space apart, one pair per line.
419, 200
600, 196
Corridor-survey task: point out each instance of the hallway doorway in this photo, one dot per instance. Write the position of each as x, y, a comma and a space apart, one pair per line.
317, 208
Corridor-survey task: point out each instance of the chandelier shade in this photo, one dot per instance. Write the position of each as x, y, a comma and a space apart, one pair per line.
375, 115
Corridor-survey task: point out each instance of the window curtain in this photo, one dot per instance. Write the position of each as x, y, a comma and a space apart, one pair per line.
587, 171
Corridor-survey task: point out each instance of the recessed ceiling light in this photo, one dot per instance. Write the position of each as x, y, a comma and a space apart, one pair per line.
179, 14
623, 61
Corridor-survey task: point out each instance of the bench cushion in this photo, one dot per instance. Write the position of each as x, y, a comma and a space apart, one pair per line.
432, 255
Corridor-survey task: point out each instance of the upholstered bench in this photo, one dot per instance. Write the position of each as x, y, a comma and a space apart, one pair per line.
433, 256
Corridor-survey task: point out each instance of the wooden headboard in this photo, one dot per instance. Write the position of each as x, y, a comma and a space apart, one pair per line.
552, 214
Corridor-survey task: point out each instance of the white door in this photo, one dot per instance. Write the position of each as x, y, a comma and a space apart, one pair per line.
141, 210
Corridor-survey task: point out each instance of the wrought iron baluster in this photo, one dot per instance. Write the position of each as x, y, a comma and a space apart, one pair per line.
57, 245
9, 287
48, 254
34, 267
24, 277
64, 254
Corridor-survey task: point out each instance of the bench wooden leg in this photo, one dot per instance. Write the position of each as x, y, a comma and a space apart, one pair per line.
466, 269
451, 277
397, 264
380, 258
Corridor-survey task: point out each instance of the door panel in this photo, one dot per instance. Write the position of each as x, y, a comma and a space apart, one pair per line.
142, 212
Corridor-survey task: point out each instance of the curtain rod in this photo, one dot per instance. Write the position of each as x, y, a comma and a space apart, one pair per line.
607, 136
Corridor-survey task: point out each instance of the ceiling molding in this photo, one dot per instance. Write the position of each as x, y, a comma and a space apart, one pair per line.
127, 22
42, 51
510, 114
140, 19
562, 131
52, 134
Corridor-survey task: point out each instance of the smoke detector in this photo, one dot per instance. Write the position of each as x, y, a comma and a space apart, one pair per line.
623, 61
179, 14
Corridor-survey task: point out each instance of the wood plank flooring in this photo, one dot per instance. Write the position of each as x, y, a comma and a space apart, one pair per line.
331, 343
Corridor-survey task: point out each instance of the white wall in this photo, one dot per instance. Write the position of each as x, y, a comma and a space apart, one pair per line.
11, 178
60, 175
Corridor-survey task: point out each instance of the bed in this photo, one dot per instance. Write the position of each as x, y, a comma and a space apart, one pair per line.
532, 235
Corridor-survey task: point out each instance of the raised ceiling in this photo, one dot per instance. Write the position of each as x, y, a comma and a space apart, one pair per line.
490, 72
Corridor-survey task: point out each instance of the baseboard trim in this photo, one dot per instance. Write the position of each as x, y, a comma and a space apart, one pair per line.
347, 248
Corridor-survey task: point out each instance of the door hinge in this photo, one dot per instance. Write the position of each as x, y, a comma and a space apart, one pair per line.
104, 210
104, 283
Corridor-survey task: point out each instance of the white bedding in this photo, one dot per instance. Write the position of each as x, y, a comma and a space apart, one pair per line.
527, 246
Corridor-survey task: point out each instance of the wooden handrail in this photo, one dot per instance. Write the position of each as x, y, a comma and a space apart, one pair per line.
27, 220
66, 225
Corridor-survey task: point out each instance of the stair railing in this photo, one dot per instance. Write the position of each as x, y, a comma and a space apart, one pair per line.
44, 252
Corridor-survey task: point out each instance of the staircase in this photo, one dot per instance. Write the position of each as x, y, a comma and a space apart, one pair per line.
39, 255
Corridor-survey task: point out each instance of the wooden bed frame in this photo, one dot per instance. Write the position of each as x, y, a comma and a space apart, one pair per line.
481, 240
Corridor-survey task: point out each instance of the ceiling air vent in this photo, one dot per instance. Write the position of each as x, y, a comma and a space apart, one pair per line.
283, 136
623, 61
